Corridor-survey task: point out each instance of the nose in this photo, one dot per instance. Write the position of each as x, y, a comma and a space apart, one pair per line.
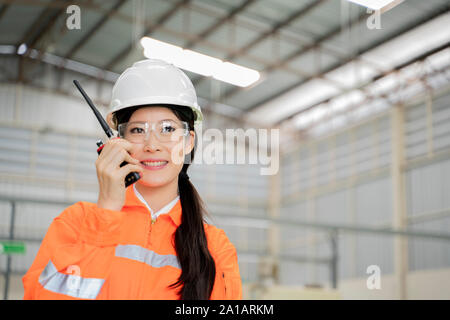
151, 142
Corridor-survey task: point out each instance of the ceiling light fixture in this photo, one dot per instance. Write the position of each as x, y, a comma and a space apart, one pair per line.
22, 49
199, 63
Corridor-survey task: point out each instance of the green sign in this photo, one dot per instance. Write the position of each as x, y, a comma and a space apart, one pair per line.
12, 247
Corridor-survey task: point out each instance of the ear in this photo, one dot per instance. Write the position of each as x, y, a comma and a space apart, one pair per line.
190, 141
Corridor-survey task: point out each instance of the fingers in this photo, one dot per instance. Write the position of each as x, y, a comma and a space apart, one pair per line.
125, 170
128, 158
114, 153
116, 144
111, 176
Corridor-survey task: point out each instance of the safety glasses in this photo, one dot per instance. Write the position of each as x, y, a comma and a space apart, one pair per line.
165, 130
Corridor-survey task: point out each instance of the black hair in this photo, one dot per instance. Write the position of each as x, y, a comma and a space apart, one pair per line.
198, 268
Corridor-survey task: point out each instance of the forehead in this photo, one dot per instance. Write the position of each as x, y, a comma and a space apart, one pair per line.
153, 113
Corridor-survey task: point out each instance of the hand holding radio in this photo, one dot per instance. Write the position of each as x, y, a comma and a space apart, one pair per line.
112, 190
113, 165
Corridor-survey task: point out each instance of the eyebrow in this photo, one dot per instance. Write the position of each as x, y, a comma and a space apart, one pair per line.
168, 119
156, 121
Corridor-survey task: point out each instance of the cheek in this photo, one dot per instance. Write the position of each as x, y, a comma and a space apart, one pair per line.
134, 152
177, 154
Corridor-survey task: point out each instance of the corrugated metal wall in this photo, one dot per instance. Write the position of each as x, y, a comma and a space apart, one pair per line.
427, 135
345, 178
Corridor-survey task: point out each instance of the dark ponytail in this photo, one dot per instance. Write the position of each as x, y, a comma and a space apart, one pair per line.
198, 269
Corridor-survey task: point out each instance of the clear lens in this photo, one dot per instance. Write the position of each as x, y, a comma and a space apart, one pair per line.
165, 130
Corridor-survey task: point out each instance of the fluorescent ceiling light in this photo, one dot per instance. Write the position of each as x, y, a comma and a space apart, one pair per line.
235, 74
376, 4
199, 63
7, 49
161, 50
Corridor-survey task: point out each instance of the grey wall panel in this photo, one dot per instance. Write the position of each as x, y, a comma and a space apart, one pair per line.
345, 253
42, 192
333, 208
374, 250
3, 262
5, 218
427, 188
38, 107
248, 270
323, 276
292, 273
33, 220
373, 202
427, 253
21, 263
235, 209
294, 241
8, 94
295, 211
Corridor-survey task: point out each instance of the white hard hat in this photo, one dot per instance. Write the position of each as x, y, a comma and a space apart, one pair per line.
150, 82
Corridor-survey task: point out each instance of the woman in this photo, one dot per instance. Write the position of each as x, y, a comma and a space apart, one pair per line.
149, 240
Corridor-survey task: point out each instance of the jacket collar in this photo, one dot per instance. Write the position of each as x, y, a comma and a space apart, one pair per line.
132, 200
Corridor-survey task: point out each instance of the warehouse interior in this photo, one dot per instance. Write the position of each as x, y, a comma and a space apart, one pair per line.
356, 100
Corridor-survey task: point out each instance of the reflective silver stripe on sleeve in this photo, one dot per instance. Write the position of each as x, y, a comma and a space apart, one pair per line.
138, 253
68, 284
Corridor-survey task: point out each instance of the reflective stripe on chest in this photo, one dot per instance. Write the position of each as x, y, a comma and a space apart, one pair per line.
149, 257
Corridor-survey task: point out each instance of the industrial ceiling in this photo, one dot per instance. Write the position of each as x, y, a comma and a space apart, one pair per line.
295, 45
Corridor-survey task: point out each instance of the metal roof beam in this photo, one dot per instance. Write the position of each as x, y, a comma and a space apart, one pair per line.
34, 30
3, 10
368, 98
47, 18
404, 30
166, 16
292, 56
220, 22
97, 26
296, 15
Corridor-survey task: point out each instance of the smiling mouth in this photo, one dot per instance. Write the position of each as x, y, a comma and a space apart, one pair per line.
154, 164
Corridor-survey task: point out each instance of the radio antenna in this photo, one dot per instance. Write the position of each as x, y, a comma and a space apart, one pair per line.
100, 119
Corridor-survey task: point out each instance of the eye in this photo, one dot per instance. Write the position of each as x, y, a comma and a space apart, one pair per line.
137, 130
167, 128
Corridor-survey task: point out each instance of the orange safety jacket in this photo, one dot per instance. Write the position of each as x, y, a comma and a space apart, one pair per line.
95, 253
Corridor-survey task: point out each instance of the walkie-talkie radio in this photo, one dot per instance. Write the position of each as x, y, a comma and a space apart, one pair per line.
132, 177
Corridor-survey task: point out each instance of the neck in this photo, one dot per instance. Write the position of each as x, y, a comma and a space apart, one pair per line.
158, 197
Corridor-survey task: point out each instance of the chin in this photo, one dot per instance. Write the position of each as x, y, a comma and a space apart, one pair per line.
152, 182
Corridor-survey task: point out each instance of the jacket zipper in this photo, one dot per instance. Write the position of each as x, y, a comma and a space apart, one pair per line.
149, 242
224, 285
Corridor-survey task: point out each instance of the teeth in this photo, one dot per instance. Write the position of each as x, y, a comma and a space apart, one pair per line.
154, 164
